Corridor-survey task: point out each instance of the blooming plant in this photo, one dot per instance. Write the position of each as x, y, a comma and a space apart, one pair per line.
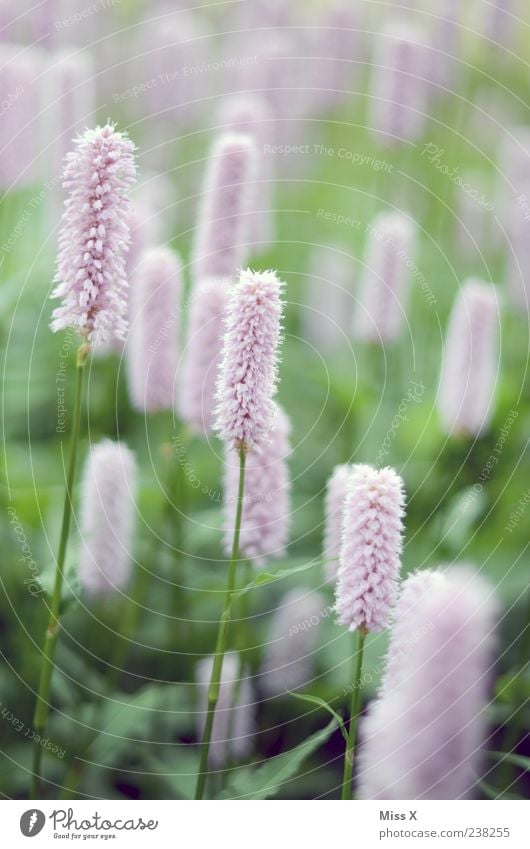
265, 484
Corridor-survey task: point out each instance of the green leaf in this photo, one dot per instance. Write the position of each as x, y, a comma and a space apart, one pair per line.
264, 781
493, 793
71, 588
316, 700
509, 757
267, 577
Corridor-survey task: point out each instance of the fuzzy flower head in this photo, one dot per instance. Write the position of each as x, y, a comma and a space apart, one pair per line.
422, 736
294, 636
266, 503
372, 532
152, 346
470, 360
381, 309
336, 489
233, 725
107, 517
202, 354
248, 372
221, 239
94, 238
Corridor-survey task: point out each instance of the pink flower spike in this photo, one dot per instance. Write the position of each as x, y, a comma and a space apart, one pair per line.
470, 360
382, 307
248, 373
265, 520
202, 354
372, 532
95, 235
152, 346
107, 517
221, 237
422, 736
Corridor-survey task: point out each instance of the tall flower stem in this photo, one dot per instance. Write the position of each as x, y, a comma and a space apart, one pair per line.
42, 707
354, 716
222, 636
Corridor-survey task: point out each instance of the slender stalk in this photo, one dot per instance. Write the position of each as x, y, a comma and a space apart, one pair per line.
354, 716
222, 636
42, 707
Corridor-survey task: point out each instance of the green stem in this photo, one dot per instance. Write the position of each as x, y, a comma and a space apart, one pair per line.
222, 637
354, 715
42, 707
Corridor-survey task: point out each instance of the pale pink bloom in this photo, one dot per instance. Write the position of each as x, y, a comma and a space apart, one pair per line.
336, 45
399, 84
514, 203
221, 239
470, 361
20, 123
336, 489
423, 735
153, 342
328, 302
249, 369
202, 354
251, 115
172, 53
266, 501
381, 309
71, 93
233, 725
445, 42
500, 19
372, 532
107, 517
94, 237
294, 635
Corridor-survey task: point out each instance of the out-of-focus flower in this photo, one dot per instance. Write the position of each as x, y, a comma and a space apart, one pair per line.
470, 360
336, 489
266, 505
399, 84
221, 239
251, 115
202, 355
107, 518
233, 725
422, 736
20, 123
383, 296
71, 91
293, 638
153, 343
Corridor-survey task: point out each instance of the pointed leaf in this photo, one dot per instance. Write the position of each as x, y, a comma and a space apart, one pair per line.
266, 780
316, 700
